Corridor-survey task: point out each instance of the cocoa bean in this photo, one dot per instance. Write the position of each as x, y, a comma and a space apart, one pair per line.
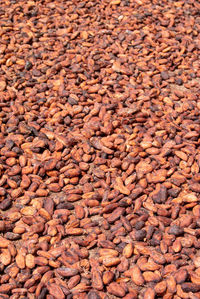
115, 289
67, 272
136, 275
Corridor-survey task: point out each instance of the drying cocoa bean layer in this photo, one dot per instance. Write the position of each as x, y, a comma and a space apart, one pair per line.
99, 149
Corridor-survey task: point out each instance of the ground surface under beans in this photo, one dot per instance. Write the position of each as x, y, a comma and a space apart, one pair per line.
99, 149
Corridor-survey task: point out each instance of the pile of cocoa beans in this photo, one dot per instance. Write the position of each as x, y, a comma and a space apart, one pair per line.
100, 149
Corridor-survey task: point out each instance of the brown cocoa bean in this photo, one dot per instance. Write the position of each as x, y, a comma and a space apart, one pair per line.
149, 293
115, 289
67, 272
108, 277
97, 282
55, 290
136, 275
